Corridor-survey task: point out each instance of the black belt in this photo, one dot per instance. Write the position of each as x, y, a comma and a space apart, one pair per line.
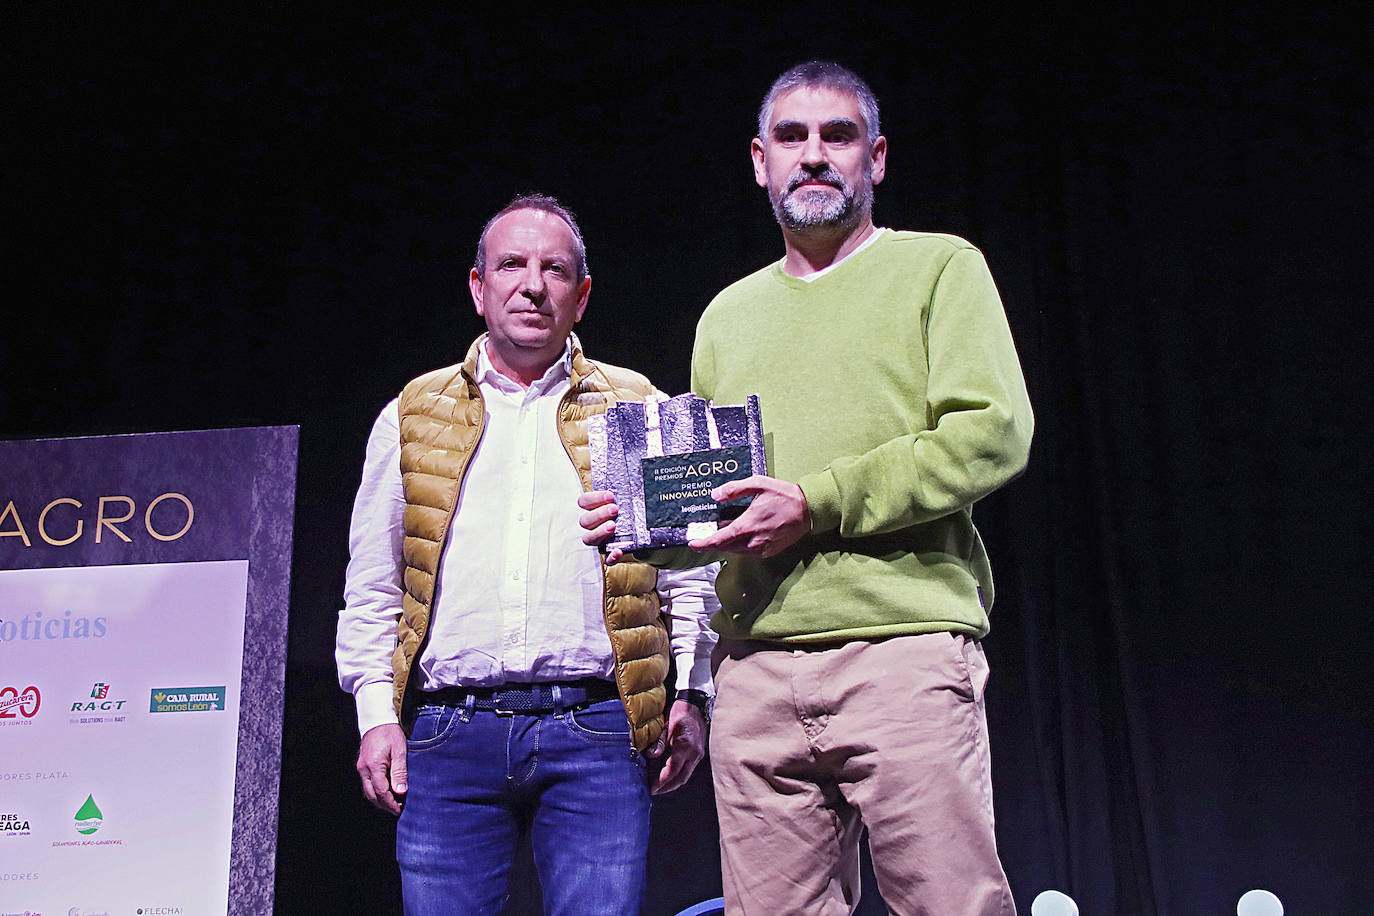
525, 698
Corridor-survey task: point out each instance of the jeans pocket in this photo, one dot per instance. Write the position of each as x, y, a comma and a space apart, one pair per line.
601, 722
433, 726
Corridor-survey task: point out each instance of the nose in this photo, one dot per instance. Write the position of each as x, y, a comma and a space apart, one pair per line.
532, 281
813, 151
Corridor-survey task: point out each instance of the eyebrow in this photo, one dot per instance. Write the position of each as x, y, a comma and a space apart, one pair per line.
555, 258
834, 123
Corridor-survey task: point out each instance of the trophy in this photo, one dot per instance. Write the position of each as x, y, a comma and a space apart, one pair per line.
663, 457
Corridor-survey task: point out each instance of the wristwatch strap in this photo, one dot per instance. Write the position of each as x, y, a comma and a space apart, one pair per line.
698, 698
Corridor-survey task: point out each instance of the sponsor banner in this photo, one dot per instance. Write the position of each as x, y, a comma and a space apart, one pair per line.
19, 705
13, 825
98, 708
186, 699
143, 584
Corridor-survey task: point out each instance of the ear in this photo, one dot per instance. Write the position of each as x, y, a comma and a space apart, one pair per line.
582, 297
760, 171
879, 154
475, 287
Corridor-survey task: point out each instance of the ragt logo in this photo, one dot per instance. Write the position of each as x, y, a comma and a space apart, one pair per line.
100, 700
16, 703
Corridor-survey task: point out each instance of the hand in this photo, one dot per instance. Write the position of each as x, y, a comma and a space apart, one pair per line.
774, 521
599, 520
382, 766
685, 741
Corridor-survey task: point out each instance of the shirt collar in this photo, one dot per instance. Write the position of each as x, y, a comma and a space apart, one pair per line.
817, 274
555, 378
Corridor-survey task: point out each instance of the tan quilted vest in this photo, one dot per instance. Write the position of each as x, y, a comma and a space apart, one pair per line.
441, 417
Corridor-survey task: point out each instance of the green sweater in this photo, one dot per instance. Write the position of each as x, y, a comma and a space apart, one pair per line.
892, 395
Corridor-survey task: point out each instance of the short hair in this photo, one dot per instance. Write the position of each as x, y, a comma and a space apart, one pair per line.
533, 201
825, 75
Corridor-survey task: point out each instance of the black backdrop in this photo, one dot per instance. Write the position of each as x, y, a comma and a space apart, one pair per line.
225, 218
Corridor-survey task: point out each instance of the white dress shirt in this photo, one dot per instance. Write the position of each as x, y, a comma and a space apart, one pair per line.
519, 596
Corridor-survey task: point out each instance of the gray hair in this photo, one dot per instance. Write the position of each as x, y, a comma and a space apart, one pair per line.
825, 75
548, 204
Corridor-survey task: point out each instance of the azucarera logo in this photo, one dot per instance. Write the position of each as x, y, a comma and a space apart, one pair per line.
19, 704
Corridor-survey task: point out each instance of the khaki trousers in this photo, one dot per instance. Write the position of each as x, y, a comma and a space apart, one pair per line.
810, 745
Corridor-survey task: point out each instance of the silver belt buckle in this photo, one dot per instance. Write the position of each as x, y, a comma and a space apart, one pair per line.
499, 709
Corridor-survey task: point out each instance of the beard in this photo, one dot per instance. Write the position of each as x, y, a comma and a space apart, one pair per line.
809, 209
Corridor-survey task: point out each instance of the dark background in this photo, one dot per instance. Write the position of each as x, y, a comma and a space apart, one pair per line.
232, 218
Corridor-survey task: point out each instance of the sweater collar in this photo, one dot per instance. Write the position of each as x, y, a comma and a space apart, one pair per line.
803, 282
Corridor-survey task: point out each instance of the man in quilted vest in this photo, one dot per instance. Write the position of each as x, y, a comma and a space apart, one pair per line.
850, 671
506, 680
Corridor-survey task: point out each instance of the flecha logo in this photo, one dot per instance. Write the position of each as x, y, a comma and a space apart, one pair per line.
186, 699
88, 817
18, 705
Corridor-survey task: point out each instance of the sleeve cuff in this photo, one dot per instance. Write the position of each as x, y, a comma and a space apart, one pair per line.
374, 706
822, 500
694, 673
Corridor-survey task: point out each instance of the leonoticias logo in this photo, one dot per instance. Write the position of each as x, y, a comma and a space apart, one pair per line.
89, 817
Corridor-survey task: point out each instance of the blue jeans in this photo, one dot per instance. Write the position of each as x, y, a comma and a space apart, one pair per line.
478, 780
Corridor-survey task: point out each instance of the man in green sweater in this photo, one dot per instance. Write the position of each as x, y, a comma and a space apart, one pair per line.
850, 679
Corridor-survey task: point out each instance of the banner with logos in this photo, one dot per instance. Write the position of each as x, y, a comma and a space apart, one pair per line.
143, 597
